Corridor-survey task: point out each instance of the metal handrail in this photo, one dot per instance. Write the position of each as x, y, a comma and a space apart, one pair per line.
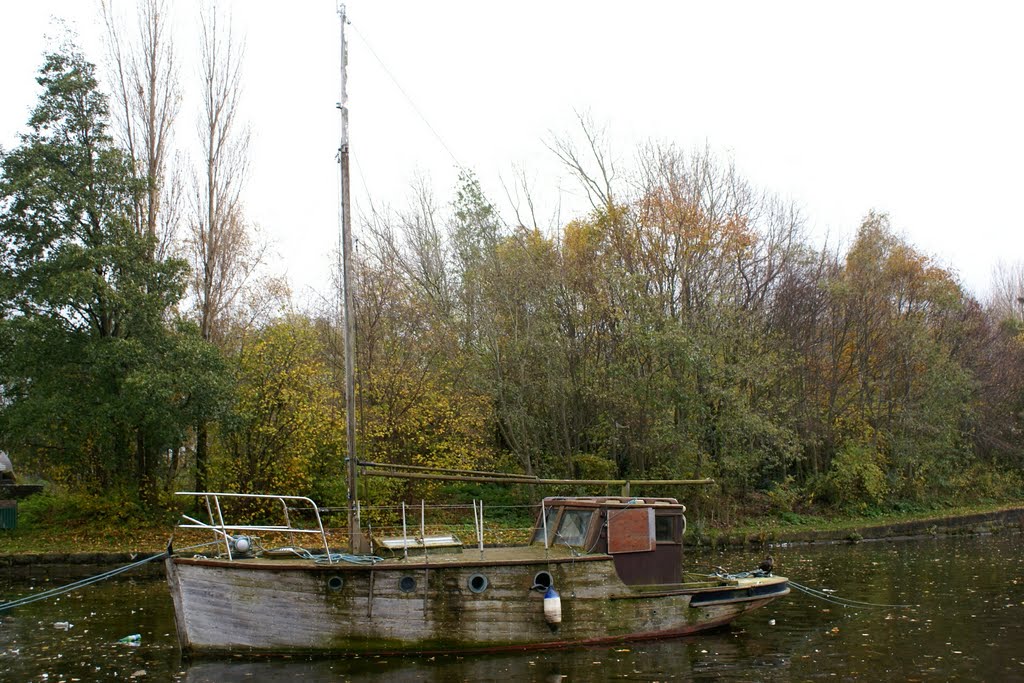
218, 526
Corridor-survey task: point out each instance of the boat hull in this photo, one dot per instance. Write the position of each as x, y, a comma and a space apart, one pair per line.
292, 606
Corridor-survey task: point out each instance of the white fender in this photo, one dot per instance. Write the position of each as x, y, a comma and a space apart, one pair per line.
552, 606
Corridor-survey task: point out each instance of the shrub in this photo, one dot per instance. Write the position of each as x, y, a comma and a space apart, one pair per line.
784, 496
73, 510
589, 466
856, 478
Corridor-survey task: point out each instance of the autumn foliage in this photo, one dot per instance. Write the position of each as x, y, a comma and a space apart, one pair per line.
685, 326
689, 328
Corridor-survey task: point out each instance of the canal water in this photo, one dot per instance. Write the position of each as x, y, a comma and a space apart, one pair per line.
965, 624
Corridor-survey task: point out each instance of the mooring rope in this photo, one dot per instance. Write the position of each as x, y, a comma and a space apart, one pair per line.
719, 573
839, 600
82, 583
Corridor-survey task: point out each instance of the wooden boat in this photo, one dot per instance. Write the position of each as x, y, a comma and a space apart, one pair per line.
613, 565
598, 569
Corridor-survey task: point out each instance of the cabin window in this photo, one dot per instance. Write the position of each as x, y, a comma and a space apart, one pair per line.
542, 581
550, 514
665, 529
335, 583
572, 530
407, 584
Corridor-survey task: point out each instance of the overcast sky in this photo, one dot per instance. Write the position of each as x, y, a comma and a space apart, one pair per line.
911, 108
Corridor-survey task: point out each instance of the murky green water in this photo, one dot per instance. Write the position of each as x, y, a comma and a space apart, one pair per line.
966, 626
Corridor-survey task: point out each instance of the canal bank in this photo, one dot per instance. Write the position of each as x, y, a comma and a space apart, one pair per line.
985, 522
993, 521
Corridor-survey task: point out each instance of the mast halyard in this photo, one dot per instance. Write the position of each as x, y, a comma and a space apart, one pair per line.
346, 284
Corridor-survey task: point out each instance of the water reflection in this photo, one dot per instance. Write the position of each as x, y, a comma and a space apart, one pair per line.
728, 654
968, 592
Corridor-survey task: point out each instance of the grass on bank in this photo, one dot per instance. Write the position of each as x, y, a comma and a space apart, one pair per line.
75, 523
790, 524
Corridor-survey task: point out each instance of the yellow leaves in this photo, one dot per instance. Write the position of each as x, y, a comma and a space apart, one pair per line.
287, 420
886, 272
672, 209
423, 420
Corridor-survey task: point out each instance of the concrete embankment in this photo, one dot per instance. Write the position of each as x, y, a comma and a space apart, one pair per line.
29, 559
72, 566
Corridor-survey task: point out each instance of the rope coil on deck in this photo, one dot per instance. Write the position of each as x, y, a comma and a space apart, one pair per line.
333, 557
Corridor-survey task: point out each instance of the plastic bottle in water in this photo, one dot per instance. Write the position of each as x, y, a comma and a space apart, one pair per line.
133, 639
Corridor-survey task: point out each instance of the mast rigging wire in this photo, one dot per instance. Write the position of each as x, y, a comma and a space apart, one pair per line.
408, 99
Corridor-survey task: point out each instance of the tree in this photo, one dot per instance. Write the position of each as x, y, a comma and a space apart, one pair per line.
147, 93
96, 385
474, 232
991, 348
1006, 295
415, 405
219, 245
284, 432
880, 367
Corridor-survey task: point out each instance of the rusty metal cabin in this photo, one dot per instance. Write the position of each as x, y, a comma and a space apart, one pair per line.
644, 536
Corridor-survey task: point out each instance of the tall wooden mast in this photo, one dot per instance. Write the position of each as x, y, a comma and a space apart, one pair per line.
346, 285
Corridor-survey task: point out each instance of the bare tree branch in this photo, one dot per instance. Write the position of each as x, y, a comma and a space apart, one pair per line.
598, 185
147, 92
220, 243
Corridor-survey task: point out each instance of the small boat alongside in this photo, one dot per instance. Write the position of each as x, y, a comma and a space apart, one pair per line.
597, 570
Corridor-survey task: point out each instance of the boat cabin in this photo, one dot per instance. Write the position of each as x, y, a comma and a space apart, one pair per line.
644, 536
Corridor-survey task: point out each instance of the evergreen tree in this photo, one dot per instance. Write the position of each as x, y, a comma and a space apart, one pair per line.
97, 384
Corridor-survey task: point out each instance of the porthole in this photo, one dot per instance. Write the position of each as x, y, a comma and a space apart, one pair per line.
542, 581
335, 583
407, 584
478, 583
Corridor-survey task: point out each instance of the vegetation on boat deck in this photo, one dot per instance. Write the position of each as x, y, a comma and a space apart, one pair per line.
685, 327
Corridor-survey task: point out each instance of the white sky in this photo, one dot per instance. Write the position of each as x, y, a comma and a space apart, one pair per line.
912, 108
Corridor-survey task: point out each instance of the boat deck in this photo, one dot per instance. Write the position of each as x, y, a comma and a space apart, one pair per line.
497, 556
491, 557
